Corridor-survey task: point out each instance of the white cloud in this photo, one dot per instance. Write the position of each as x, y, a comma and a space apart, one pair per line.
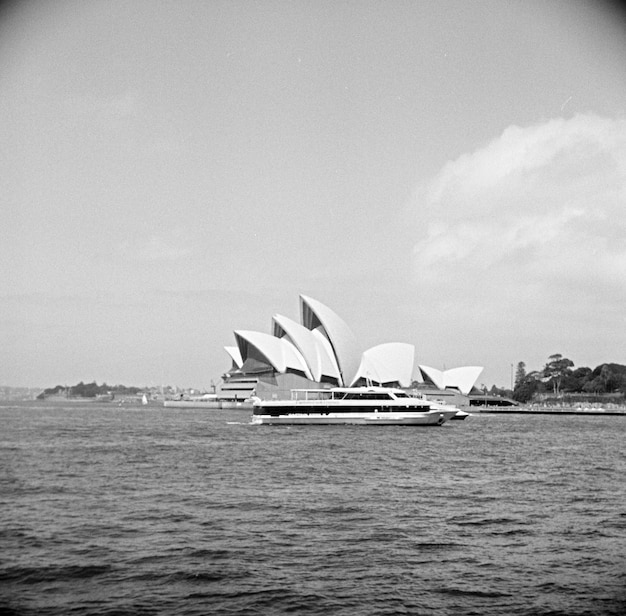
533, 225
545, 203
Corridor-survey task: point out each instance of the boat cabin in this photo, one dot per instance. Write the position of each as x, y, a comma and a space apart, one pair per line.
347, 393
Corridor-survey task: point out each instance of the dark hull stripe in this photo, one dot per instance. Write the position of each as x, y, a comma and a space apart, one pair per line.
324, 410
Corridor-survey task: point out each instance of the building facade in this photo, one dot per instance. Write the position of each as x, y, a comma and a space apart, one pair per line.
321, 351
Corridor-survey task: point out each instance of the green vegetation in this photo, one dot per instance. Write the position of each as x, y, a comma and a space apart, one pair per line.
89, 390
560, 379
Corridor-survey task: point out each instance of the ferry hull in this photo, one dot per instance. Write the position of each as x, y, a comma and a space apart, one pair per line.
371, 419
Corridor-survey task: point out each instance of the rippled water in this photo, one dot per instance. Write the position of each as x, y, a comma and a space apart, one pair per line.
106, 510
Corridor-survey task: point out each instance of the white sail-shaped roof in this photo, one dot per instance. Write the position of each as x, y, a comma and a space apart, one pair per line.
327, 356
436, 376
462, 379
316, 315
388, 363
278, 352
235, 355
316, 351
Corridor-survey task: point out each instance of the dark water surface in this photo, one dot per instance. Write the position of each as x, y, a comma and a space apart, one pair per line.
106, 510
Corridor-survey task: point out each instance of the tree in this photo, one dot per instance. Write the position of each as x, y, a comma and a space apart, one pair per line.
525, 390
611, 376
526, 385
576, 380
594, 386
500, 391
557, 368
520, 374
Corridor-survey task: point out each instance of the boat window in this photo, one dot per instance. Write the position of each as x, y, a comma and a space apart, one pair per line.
368, 396
401, 394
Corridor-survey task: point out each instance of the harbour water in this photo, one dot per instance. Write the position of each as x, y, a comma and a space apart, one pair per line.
154, 511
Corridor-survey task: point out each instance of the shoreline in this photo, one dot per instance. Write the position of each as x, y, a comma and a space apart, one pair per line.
552, 411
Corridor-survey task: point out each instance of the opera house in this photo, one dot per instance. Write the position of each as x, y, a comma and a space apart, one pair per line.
321, 351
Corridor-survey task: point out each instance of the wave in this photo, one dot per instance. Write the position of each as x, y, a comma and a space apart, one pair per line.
469, 592
53, 573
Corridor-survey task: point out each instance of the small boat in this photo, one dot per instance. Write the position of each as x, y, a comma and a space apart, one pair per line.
460, 415
380, 406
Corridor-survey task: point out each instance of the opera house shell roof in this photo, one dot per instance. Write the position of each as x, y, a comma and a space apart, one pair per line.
323, 349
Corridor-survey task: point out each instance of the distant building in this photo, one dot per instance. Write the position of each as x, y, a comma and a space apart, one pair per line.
321, 351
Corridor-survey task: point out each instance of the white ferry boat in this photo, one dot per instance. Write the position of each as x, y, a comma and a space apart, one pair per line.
352, 405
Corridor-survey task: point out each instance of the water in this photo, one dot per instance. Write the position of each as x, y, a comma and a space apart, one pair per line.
150, 511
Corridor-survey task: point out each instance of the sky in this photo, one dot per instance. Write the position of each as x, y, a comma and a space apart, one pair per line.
448, 174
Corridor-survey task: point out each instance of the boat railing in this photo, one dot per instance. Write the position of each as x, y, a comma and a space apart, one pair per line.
307, 395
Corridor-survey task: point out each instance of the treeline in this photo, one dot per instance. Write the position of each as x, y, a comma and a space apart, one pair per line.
89, 390
560, 377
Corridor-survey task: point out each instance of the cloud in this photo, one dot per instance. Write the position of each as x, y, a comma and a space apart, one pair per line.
530, 228
538, 207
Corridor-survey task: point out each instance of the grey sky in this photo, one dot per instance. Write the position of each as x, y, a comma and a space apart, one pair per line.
448, 174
